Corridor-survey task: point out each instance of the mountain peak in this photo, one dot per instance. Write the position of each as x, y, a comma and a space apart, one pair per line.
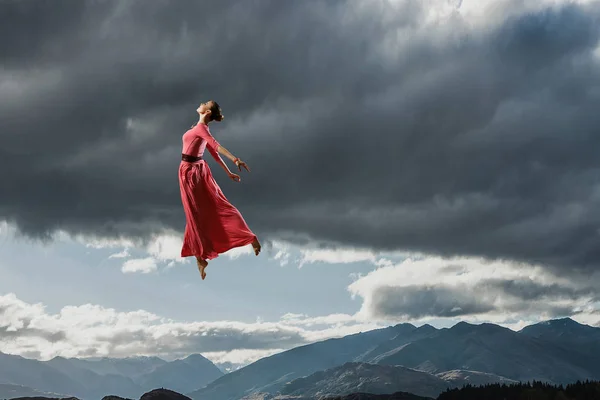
426, 328
559, 323
195, 356
555, 328
404, 325
567, 321
462, 326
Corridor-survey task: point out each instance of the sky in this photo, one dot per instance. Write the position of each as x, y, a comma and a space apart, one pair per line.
411, 162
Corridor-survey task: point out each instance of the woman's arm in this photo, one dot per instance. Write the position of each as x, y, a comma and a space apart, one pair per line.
225, 152
215, 153
214, 147
239, 163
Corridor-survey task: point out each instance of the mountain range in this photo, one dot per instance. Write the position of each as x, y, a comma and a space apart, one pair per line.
402, 358
93, 378
538, 352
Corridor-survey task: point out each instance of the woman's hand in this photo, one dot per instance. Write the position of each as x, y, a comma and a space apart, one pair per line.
241, 164
235, 177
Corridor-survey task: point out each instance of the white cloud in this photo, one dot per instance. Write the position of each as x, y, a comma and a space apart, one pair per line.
98, 243
287, 253
4, 227
474, 289
336, 256
282, 252
343, 330
122, 254
480, 14
240, 357
332, 319
237, 252
163, 248
143, 265
292, 316
166, 247
15, 313
93, 330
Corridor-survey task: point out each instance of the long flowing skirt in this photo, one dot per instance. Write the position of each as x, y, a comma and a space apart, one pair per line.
213, 224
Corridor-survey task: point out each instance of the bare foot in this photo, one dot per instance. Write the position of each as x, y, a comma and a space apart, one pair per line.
256, 246
202, 264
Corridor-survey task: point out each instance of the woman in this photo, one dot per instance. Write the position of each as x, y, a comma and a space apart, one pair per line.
213, 224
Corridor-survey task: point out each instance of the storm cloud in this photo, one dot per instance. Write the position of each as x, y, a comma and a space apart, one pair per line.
495, 297
419, 301
499, 291
451, 128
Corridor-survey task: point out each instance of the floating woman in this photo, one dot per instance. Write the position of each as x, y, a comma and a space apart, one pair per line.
213, 224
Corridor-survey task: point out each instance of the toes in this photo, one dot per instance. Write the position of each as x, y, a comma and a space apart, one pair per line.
256, 245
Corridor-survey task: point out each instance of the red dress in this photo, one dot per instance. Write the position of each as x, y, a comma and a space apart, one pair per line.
213, 224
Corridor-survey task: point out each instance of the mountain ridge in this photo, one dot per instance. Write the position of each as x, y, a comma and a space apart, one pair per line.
91, 378
483, 348
353, 377
552, 351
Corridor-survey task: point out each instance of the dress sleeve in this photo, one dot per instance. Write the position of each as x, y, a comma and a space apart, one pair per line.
211, 143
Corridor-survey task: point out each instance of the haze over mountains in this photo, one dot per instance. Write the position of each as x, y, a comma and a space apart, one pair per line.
420, 360
8, 391
95, 378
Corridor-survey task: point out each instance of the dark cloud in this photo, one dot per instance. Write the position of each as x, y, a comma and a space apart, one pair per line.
424, 301
52, 337
526, 289
207, 340
360, 127
224, 339
492, 296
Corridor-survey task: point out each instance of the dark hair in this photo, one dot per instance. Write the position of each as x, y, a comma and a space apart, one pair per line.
215, 112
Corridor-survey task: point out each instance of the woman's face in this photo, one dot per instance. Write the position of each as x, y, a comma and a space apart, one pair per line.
203, 108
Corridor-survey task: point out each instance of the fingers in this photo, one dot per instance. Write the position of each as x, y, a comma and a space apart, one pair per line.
241, 164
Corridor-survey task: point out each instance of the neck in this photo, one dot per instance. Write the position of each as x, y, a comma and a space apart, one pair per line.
203, 120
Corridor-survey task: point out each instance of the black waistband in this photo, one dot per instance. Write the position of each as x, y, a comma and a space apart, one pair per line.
188, 158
